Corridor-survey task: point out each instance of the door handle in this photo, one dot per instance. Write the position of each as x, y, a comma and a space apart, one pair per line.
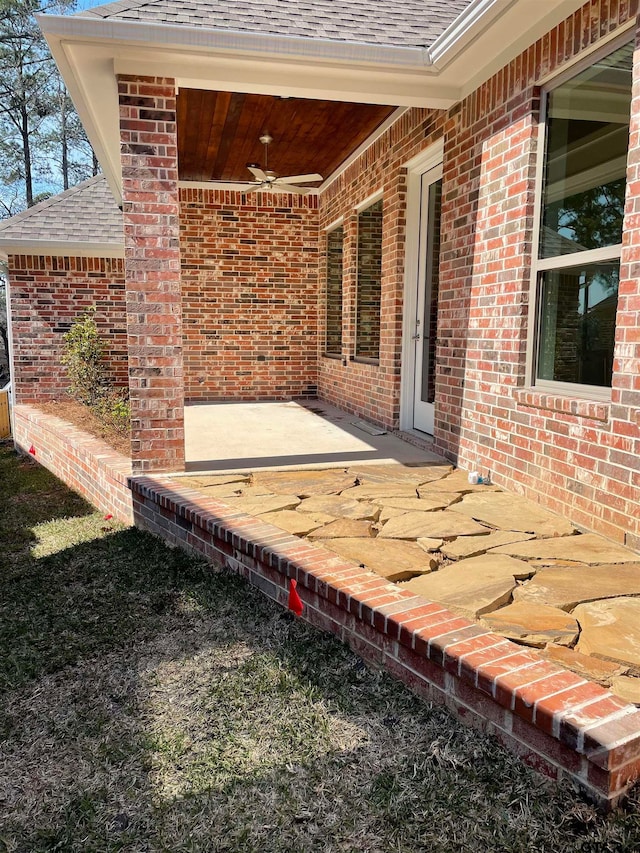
415, 337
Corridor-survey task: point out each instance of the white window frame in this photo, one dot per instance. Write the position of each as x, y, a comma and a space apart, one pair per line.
540, 265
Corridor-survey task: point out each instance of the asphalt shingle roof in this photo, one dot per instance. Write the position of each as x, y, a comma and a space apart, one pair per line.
405, 23
86, 213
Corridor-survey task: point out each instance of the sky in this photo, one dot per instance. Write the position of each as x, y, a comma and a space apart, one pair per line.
87, 4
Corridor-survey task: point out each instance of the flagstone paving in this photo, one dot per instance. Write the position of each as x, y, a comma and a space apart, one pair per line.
524, 572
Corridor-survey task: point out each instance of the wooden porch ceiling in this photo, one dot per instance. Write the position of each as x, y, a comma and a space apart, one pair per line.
218, 133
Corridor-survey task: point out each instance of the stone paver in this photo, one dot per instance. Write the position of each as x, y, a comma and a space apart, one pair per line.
416, 474
207, 481
472, 587
533, 624
610, 629
297, 523
394, 561
433, 525
379, 491
430, 544
458, 482
475, 546
261, 504
567, 587
589, 548
304, 484
627, 689
601, 671
339, 506
523, 572
232, 489
343, 528
511, 512
428, 504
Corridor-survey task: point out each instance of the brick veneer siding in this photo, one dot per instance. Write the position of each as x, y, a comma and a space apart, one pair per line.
250, 295
554, 720
152, 265
85, 463
46, 295
371, 390
577, 457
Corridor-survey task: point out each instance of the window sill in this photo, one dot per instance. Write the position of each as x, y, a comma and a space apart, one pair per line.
374, 362
334, 355
596, 410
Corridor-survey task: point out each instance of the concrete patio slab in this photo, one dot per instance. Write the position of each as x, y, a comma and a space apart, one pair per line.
254, 436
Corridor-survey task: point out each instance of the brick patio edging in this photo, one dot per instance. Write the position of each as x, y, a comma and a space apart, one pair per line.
562, 725
86, 464
555, 721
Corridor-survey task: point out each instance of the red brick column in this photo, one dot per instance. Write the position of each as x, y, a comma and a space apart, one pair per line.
623, 463
152, 269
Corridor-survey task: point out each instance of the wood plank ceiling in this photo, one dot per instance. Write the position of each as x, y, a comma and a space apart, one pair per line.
218, 134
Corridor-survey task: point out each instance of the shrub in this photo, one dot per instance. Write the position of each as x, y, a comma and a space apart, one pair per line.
83, 359
88, 381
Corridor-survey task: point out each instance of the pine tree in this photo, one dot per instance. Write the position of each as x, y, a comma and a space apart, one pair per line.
41, 138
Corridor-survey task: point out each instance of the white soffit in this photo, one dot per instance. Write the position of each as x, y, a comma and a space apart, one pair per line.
90, 51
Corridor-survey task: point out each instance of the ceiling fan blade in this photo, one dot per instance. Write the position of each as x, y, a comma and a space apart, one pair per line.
301, 179
280, 187
257, 173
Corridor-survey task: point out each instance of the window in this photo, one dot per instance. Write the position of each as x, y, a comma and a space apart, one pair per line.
369, 277
585, 158
335, 240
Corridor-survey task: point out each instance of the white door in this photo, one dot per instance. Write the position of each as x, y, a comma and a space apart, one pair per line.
424, 335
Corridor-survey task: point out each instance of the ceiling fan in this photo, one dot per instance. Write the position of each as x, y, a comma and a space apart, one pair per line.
267, 180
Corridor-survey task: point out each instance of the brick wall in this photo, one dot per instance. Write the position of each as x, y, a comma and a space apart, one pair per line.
370, 390
149, 155
369, 268
250, 295
577, 457
47, 294
85, 463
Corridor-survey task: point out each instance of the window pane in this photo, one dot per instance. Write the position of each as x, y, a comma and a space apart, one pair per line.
369, 275
577, 324
335, 240
586, 157
432, 279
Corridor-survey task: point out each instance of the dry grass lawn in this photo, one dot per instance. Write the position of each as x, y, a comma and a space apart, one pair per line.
149, 703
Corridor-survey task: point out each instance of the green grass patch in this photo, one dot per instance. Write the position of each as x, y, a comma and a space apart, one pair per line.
151, 703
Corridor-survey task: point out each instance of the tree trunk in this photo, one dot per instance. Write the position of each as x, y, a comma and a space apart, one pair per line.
63, 140
26, 148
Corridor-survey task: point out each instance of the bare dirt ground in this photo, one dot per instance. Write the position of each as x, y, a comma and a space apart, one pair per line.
82, 417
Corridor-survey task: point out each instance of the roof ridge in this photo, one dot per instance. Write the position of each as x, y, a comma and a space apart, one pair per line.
49, 202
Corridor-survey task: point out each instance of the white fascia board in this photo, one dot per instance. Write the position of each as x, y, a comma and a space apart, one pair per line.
194, 38
400, 87
519, 27
478, 15
60, 248
93, 89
